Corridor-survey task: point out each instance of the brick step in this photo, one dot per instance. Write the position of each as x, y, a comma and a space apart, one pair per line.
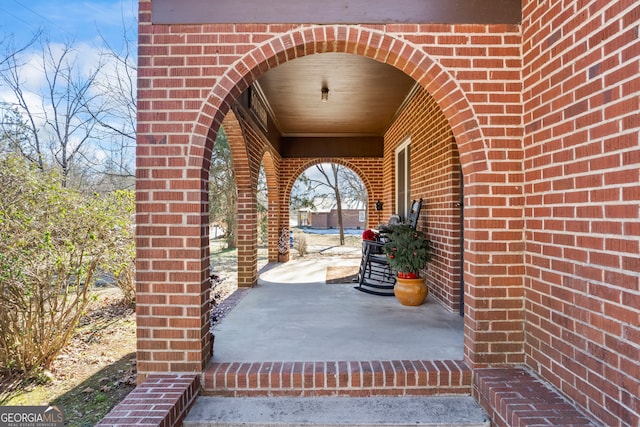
515, 397
358, 379
161, 400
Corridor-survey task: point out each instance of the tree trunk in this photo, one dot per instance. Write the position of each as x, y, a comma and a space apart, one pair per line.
334, 167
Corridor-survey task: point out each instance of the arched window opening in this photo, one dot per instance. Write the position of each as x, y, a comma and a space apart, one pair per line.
328, 199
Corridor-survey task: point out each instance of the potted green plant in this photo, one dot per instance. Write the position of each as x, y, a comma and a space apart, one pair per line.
408, 252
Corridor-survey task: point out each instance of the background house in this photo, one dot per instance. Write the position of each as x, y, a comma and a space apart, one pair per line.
324, 214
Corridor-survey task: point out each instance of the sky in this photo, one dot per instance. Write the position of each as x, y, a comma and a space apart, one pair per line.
83, 21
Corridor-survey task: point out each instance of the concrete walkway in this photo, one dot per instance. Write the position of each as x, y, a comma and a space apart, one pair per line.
337, 411
292, 315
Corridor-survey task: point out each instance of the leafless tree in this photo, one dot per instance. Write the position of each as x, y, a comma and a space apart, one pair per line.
77, 117
14, 131
351, 186
332, 180
263, 206
343, 184
56, 111
11, 51
116, 115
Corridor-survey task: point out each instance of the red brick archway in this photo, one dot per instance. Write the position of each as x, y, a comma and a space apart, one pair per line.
246, 192
493, 269
274, 202
479, 175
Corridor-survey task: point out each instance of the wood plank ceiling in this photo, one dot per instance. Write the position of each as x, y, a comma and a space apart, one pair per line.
364, 95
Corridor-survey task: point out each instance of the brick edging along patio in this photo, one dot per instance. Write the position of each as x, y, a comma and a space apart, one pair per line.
515, 397
347, 378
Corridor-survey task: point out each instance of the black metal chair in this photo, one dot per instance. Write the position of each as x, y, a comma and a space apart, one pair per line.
411, 220
375, 275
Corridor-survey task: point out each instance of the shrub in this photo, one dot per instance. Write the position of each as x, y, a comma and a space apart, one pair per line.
125, 280
120, 260
53, 241
300, 244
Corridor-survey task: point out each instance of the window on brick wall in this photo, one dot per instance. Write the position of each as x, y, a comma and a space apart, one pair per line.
403, 184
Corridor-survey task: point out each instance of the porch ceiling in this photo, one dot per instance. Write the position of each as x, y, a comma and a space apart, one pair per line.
364, 96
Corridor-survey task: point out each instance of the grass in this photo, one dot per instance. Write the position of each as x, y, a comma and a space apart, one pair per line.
88, 402
94, 372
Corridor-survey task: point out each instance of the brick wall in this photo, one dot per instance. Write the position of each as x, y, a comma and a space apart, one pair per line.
435, 178
545, 120
581, 84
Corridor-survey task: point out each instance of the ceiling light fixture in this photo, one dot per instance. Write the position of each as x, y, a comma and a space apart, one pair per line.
325, 94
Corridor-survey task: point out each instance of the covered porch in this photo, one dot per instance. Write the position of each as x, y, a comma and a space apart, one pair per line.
293, 334
289, 350
383, 123
520, 135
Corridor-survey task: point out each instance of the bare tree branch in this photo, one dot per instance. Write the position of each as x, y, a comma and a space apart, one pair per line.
78, 119
11, 52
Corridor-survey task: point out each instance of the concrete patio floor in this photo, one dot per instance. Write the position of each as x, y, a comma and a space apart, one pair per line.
292, 315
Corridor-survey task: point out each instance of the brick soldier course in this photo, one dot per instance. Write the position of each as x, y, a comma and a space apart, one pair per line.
541, 117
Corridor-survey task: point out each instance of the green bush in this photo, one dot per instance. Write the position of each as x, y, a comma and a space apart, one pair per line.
53, 242
409, 250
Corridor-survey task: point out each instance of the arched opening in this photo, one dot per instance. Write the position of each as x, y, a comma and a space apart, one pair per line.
433, 80
451, 271
315, 183
444, 203
328, 209
223, 225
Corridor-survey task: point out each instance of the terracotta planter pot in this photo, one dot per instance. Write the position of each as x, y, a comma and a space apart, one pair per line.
283, 257
410, 292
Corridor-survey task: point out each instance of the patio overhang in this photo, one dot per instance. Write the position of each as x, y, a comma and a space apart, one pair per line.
362, 98
337, 11
338, 146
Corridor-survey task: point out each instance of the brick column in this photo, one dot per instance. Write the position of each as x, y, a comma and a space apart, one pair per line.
242, 144
247, 237
271, 163
172, 286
